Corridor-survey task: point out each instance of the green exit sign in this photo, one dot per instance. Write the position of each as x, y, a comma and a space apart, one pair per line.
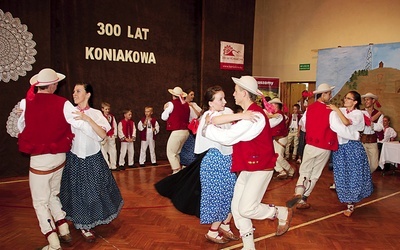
304, 66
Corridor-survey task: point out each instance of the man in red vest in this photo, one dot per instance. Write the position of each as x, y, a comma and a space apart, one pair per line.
279, 135
373, 130
321, 139
45, 134
176, 113
108, 146
254, 159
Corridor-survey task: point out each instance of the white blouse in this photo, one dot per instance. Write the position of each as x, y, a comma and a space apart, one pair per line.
344, 133
389, 133
356, 118
86, 142
202, 143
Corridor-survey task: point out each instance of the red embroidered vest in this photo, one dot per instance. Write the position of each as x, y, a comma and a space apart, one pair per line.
46, 129
381, 133
257, 154
280, 129
143, 133
298, 119
318, 131
110, 118
179, 117
127, 128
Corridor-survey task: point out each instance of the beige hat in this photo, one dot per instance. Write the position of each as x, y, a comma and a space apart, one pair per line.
370, 95
322, 88
46, 77
248, 83
177, 91
276, 100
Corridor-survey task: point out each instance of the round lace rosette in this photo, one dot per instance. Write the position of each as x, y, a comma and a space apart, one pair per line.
12, 122
16, 48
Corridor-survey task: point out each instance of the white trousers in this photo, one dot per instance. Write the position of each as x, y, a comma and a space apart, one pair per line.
45, 189
109, 149
313, 162
373, 154
281, 162
151, 144
174, 146
292, 137
246, 204
126, 147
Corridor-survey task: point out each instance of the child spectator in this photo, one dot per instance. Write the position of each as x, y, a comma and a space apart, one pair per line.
108, 147
127, 135
294, 132
149, 128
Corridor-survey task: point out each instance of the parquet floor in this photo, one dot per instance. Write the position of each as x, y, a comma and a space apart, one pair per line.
149, 221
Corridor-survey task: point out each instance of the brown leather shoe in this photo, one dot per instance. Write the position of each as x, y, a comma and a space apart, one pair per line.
296, 198
291, 172
222, 240
282, 175
65, 238
228, 234
303, 206
281, 229
348, 212
88, 235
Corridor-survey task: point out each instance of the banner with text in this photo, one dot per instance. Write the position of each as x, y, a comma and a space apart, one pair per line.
268, 85
231, 56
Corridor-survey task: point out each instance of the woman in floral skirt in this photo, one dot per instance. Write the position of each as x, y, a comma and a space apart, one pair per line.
350, 163
89, 193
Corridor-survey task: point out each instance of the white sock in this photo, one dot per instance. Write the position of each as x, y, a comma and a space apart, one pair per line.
213, 234
225, 227
63, 229
282, 213
248, 241
54, 242
350, 207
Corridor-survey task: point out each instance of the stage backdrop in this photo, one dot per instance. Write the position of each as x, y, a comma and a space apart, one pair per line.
132, 52
371, 68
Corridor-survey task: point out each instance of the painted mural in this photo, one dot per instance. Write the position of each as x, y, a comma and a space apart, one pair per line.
370, 68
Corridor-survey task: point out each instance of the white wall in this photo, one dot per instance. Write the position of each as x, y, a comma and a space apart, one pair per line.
290, 32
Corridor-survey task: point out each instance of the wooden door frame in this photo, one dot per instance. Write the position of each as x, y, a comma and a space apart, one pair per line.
285, 91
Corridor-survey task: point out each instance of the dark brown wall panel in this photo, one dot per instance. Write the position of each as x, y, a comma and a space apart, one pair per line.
175, 33
231, 21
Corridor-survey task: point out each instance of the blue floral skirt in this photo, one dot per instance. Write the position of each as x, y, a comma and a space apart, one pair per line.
89, 194
187, 155
351, 172
217, 185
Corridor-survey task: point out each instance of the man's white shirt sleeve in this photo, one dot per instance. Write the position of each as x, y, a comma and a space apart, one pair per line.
243, 130
167, 111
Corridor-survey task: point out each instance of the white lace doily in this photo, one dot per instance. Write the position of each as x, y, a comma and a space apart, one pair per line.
12, 121
16, 48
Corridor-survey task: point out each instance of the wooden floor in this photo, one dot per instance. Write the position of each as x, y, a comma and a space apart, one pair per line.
149, 221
